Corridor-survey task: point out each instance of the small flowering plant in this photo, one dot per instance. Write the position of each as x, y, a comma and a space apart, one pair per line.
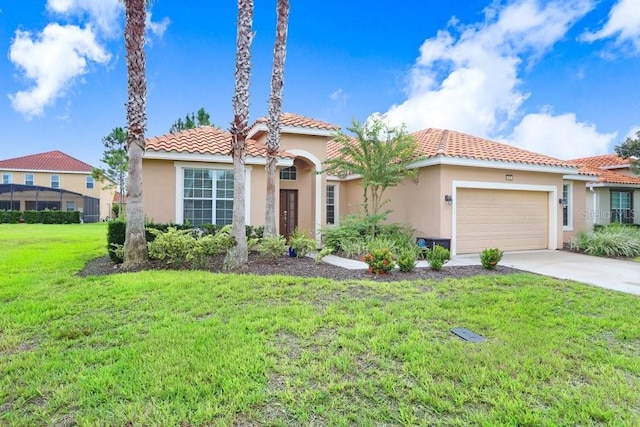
380, 261
489, 258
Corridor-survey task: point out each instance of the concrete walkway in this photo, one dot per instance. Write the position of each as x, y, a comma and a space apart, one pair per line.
623, 276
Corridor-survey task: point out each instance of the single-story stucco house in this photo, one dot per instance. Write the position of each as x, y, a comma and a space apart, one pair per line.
472, 192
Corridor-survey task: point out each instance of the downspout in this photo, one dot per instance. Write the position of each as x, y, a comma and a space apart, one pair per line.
595, 204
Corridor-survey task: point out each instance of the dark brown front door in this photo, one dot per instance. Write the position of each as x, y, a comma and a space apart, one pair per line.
288, 212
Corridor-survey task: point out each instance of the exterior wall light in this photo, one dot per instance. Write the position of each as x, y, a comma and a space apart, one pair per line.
508, 177
448, 199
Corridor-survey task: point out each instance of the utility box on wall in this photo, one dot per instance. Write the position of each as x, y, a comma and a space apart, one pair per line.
430, 242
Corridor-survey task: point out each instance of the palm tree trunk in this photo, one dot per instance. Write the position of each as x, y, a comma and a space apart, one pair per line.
275, 111
238, 255
135, 246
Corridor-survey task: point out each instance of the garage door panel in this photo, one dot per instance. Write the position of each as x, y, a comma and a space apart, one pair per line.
507, 219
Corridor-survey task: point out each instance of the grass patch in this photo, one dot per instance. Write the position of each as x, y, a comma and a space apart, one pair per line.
194, 348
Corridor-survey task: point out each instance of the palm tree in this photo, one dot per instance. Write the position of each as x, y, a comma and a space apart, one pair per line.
239, 128
135, 245
380, 155
275, 110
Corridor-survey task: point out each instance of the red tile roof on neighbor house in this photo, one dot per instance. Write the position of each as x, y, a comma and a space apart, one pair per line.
296, 120
439, 142
598, 165
55, 161
203, 140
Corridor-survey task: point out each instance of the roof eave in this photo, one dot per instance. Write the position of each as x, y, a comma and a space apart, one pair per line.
44, 171
612, 184
262, 128
210, 158
493, 164
576, 177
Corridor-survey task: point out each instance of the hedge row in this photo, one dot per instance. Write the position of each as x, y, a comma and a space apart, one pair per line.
117, 230
40, 217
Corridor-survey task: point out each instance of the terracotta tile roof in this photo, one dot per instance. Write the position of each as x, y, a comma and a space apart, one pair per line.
49, 161
589, 165
296, 120
117, 197
438, 142
604, 161
202, 140
434, 142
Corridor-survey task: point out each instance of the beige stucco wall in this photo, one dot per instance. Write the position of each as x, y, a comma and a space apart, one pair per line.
160, 198
422, 204
159, 190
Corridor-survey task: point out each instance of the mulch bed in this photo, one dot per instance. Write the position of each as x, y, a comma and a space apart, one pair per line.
305, 267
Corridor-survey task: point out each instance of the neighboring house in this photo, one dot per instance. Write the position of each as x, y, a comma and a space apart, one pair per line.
471, 192
52, 180
614, 196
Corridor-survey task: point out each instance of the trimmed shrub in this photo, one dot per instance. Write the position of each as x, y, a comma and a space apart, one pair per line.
407, 260
490, 257
115, 236
301, 243
273, 247
172, 246
380, 261
40, 217
437, 257
10, 217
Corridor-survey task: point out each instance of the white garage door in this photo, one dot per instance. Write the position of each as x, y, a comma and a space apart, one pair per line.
510, 220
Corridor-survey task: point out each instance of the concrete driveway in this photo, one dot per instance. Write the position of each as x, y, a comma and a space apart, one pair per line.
623, 276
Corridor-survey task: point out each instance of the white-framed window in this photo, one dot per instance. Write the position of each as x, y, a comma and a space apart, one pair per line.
7, 178
70, 205
567, 209
55, 181
89, 183
289, 174
331, 204
28, 179
208, 196
622, 206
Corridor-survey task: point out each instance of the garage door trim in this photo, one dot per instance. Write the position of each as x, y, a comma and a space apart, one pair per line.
551, 190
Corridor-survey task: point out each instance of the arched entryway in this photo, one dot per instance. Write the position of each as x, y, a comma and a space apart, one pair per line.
300, 195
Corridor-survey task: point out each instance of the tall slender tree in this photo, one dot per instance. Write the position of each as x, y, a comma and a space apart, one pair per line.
115, 157
135, 245
191, 121
275, 112
239, 128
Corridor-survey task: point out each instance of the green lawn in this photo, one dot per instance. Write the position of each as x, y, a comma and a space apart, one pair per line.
193, 348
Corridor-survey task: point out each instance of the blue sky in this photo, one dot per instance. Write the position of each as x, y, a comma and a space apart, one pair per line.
557, 77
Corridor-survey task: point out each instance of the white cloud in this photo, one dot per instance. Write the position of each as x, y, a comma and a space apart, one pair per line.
560, 136
623, 24
157, 28
103, 14
51, 60
633, 132
466, 77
